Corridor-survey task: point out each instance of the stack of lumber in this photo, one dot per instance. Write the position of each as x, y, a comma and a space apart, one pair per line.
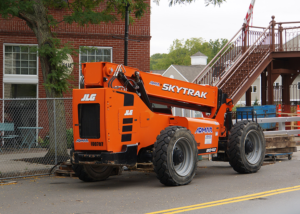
280, 144
65, 169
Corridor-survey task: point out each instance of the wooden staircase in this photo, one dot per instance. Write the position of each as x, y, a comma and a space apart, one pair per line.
239, 63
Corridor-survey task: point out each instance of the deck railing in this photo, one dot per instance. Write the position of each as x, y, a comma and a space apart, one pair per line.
236, 57
247, 64
222, 60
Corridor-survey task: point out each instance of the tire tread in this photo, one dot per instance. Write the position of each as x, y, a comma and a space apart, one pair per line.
234, 147
160, 155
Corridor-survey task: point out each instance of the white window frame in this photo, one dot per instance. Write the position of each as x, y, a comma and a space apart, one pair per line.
98, 47
252, 86
20, 78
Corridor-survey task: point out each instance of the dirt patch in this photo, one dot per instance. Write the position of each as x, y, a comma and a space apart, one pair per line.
44, 160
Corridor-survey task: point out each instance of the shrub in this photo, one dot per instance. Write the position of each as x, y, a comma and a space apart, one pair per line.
44, 143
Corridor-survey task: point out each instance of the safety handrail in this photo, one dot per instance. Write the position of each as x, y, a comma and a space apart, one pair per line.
250, 49
213, 61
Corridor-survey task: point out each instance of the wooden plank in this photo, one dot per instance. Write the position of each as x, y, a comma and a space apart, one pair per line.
280, 141
281, 150
274, 145
65, 173
267, 163
279, 138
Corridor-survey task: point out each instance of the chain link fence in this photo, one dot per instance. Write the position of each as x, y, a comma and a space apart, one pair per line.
35, 135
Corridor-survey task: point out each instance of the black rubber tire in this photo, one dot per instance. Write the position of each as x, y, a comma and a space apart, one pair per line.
163, 156
89, 173
80, 173
236, 147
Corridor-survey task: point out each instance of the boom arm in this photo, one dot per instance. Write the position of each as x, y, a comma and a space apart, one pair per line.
152, 88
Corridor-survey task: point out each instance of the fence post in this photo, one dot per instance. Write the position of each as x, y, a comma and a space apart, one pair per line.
244, 38
298, 122
54, 113
273, 33
281, 40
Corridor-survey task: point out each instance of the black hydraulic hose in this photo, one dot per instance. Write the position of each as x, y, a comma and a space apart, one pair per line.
54, 167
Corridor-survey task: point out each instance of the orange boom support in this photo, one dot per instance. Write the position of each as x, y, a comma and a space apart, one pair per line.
123, 116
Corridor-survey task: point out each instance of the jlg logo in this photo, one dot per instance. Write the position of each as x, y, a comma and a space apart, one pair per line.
86, 97
128, 112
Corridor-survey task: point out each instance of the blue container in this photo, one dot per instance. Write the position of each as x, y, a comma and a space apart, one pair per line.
261, 112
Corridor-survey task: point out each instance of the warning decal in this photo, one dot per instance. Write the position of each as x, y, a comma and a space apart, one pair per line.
208, 139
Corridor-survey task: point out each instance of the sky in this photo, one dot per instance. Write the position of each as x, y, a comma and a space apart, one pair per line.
212, 22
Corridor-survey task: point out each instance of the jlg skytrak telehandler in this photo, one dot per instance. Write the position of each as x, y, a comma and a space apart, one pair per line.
123, 117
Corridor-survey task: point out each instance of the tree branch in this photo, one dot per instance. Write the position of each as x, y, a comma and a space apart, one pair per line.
27, 17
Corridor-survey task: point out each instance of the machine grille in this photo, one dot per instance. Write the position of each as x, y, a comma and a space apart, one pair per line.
89, 120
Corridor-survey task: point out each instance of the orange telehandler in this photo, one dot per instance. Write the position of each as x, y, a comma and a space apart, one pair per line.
123, 117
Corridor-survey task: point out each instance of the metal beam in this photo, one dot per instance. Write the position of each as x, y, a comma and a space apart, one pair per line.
277, 119
284, 71
290, 54
263, 88
287, 132
248, 96
270, 84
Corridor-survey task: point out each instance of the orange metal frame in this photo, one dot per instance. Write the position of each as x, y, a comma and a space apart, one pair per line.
145, 124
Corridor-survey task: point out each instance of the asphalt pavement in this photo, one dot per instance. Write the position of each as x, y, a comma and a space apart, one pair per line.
216, 188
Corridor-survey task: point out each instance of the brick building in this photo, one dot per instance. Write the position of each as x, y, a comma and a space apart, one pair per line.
20, 71
21, 74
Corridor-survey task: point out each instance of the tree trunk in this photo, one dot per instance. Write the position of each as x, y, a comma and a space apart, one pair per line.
57, 130
38, 22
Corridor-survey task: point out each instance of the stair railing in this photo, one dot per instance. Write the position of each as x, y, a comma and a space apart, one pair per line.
225, 57
258, 44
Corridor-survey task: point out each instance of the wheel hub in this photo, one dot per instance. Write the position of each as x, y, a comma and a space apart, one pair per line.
178, 157
249, 146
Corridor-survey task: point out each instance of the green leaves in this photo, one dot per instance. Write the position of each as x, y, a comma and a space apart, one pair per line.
181, 50
59, 76
89, 17
207, 2
86, 12
214, 2
14, 7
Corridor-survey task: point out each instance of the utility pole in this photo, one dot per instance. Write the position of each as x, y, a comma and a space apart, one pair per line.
126, 35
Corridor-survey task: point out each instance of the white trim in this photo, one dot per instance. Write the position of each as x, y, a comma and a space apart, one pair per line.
177, 71
21, 79
167, 69
98, 47
200, 57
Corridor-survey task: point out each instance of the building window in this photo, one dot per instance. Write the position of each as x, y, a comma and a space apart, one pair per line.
276, 84
253, 88
298, 85
95, 54
20, 90
19, 60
